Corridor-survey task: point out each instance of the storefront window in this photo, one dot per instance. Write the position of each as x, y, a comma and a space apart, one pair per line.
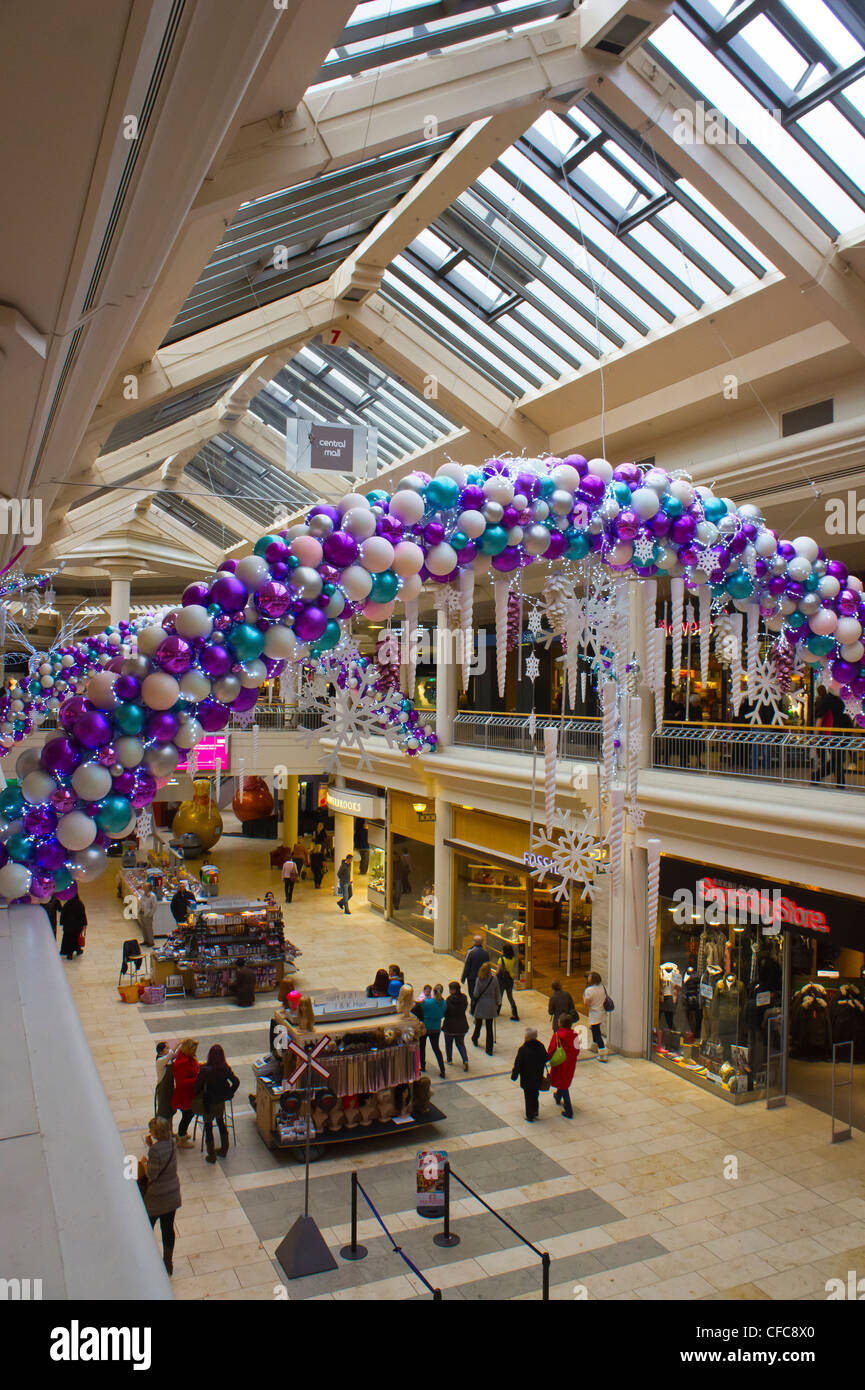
492, 902
376, 886
413, 902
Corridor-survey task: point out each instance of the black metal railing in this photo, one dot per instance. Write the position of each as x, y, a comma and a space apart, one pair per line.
511, 733
804, 757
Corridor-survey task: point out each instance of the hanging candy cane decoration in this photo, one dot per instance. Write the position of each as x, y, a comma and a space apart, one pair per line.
660, 644
736, 660
704, 595
551, 749
609, 691
649, 595
411, 607
753, 642
467, 605
614, 839
677, 592
255, 745
653, 879
635, 730
501, 589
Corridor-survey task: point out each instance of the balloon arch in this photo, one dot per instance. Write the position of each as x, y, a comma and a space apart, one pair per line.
131, 703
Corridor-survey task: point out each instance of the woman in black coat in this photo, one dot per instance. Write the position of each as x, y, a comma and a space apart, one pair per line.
455, 1024
73, 920
216, 1084
529, 1066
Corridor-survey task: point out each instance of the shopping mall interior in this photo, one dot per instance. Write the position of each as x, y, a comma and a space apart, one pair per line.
432, 550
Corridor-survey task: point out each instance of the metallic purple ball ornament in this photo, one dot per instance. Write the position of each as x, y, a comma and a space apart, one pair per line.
229, 593
174, 655
340, 549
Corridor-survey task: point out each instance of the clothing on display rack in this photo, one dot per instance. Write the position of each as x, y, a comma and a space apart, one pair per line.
670, 983
713, 944
709, 980
810, 1022
728, 1005
692, 1000
847, 1015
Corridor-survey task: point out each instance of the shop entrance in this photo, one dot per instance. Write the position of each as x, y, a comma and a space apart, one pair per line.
550, 942
826, 1006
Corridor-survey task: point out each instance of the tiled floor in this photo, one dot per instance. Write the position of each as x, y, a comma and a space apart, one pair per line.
629, 1199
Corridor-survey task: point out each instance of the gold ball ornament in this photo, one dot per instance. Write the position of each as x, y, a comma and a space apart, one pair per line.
200, 816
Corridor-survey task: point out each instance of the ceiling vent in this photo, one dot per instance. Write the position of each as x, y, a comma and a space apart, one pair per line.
360, 282
617, 27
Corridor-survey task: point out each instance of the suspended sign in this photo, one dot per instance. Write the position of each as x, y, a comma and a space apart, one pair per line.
311, 447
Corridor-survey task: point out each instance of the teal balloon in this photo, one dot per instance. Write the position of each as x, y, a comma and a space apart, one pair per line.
11, 803
796, 620
292, 562
622, 494
329, 637
62, 879
546, 487
672, 506
718, 590
384, 587
493, 541
35, 687
578, 544
328, 589
459, 540
247, 641
817, 645
113, 814
19, 848
129, 718
475, 477
377, 495
740, 584
442, 492
812, 581
261, 545
714, 508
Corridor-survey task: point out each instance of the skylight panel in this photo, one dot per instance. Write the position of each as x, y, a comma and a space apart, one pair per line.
472, 282
855, 94
723, 91
622, 193
559, 134
763, 38
667, 250
685, 228
639, 173
557, 365
825, 26
841, 141
723, 222
432, 248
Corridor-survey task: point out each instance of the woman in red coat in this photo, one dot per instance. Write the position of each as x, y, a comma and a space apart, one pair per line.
562, 1075
185, 1071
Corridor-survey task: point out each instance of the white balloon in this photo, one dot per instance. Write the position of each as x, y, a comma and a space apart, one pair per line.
407, 506
130, 750
356, 582
194, 621
360, 523
681, 489
499, 489
37, 787
441, 559
253, 673
805, 546
853, 652
561, 502
352, 500
15, 880
76, 831
645, 502
829, 586
600, 468
620, 554
91, 781
452, 470
253, 571
160, 691
854, 583
824, 622
411, 587
100, 689
407, 558
280, 644
848, 630
799, 568
765, 544
46, 682
566, 476
376, 554
307, 581
150, 639
194, 685
189, 734
536, 540
28, 761
472, 524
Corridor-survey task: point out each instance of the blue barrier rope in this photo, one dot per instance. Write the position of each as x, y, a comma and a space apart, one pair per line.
397, 1249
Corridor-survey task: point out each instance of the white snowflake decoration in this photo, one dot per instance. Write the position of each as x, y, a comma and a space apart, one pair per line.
636, 817
572, 850
532, 667
765, 691
534, 622
143, 824
353, 714
243, 719
644, 548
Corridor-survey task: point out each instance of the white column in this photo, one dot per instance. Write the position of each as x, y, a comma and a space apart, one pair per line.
120, 576
628, 950
343, 837
443, 877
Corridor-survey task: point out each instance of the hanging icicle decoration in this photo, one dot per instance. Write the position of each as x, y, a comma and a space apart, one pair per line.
411, 608
255, 732
649, 595
501, 589
583, 688
635, 731
736, 620
677, 592
660, 644
753, 643
551, 749
570, 641
704, 594
614, 839
653, 878
609, 691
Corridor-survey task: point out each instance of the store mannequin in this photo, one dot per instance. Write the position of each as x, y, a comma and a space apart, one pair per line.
709, 980
728, 1003
670, 982
421, 1092
336, 1118
352, 1112
693, 1002
408, 1026
305, 1017
368, 1109
386, 1107
402, 1099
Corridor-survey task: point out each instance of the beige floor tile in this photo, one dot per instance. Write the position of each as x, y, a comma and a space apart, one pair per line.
685, 1286
803, 1251
728, 1274
743, 1243
203, 1285
794, 1283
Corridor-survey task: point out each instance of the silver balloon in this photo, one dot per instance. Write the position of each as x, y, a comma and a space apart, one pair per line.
748, 512
562, 502
410, 484
226, 689
194, 685
799, 568
254, 673
137, 666
162, 759
307, 581
493, 511
536, 540
189, 734
777, 565
540, 510
596, 525
86, 864
335, 606
728, 525
321, 526
809, 604
129, 750
610, 508
27, 761
706, 533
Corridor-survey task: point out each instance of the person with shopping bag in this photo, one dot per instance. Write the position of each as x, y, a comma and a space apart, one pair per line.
530, 1065
563, 1052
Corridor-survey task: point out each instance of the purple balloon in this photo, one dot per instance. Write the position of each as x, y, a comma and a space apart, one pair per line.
124, 783
736, 544
592, 487
507, 560
145, 788
70, 711
578, 461
660, 524
247, 699
627, 524
278, 570
786, 549
340, 548
196, 593
794, 590
526, 485
273, 599
683, 529
628, 473
390, 527
472, 498
92, 728
50, 855
60, 757
310, 623
227, 567
434, 533
837, 570
467, 554
844, 672
322, 509
777, 584
276, 551
848, 602
212, 715
558, 545
229, 593
215, 659
162, 725
175, 655
39, 820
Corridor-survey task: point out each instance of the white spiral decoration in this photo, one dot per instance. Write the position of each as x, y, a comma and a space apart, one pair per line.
609, 691
660, 642
411, 606
571, 633
753, 643
551, 750
653, 878
649, 595
705, 597
736, 661
583, 687
614, 839
255, 733
635, 729
677, 593
501, 588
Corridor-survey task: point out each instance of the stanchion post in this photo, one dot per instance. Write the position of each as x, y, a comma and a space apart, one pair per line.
446, 1239
545, 1269
353, 1251
437, 1295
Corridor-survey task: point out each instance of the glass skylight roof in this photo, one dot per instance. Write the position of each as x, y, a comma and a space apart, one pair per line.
577, 241
787, 75
335, 385
248, 482
381, 32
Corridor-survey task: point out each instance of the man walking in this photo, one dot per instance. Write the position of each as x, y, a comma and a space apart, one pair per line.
289, 878
343, 885
475, 958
